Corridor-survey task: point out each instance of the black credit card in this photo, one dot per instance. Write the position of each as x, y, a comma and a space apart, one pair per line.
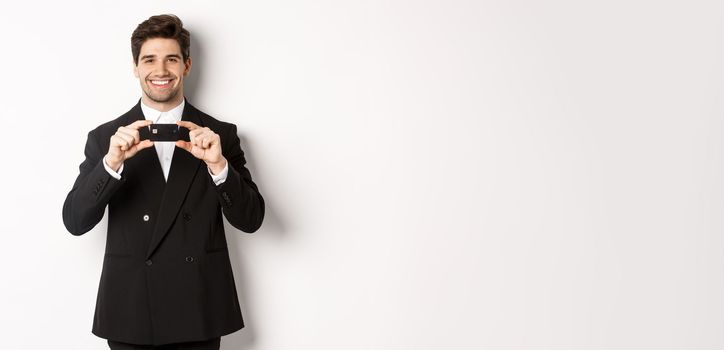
164, 133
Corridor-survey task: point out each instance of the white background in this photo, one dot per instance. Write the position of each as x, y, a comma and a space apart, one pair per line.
438, 174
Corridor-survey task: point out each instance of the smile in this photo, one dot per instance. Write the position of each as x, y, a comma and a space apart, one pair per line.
160, 83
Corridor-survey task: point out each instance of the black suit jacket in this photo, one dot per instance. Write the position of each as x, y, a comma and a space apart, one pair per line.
166, 274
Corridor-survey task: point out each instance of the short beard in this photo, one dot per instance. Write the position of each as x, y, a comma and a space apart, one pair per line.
170, 97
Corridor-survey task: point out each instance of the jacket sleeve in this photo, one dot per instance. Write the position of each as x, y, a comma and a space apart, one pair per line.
93, 188
241, 202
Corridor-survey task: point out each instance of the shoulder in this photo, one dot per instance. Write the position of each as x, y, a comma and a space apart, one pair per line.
215, 124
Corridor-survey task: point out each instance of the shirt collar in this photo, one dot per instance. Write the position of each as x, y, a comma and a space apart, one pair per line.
154, 115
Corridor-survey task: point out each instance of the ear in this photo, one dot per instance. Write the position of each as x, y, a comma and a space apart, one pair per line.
188, 66
135, 69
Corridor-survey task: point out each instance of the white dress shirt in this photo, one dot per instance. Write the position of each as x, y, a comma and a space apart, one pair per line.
165, 149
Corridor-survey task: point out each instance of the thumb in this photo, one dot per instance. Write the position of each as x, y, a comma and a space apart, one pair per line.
185, 145
144, 144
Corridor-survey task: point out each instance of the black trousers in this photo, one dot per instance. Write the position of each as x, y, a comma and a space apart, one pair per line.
212, 344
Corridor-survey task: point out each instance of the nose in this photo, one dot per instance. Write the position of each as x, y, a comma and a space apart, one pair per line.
161, 68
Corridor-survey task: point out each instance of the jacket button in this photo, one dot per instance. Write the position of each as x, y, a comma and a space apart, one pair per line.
146, 218
189, 259
149, 262
187, 216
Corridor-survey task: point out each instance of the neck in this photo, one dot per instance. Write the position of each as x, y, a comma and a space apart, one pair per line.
162, 106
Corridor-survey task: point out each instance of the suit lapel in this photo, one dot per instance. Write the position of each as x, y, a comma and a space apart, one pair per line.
184, 167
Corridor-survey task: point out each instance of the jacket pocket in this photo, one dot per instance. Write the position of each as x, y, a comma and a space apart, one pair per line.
216, 239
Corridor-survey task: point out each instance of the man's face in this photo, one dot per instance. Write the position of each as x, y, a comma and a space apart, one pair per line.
161, 71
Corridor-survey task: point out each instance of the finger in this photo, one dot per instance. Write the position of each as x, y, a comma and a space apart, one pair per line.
212, 139
192, 139
119, 142
133, 133
128, 138
140, 123
205, 137
187, 124
199, 136
115, 143
195, 133
207, 141
200, 141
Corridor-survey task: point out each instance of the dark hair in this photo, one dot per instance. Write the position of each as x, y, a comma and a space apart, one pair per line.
161, 26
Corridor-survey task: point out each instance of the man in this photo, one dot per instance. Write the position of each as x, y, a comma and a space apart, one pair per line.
166, 281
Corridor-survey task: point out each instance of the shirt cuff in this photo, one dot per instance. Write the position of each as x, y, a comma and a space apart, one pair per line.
116, 175
221, 177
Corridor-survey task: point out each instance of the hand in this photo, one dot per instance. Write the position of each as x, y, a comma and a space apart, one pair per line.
204, 144
125, 143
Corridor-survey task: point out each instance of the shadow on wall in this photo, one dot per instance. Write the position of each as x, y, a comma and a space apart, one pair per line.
272, 225
192, 81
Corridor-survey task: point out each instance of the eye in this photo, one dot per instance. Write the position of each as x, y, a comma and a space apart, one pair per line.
173, 59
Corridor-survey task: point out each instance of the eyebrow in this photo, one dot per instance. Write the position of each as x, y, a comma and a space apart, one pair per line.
167, 56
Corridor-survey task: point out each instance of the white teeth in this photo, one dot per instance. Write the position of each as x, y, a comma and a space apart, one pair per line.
159, 82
